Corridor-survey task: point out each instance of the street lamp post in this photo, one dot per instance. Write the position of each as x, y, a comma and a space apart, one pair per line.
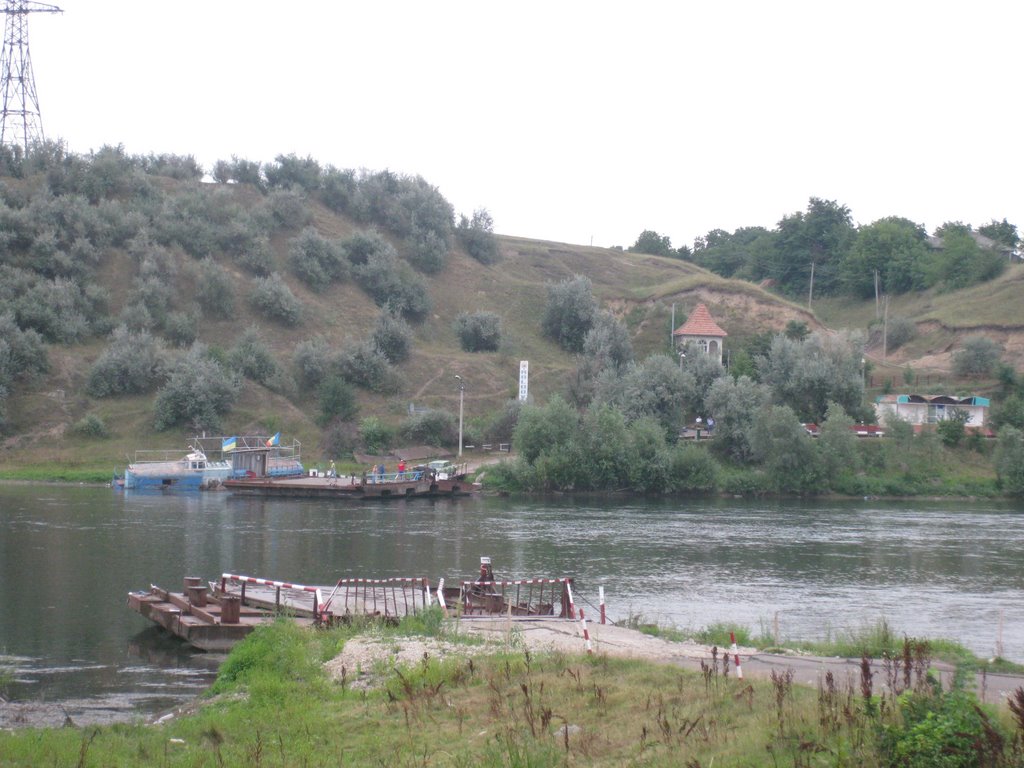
462, 393
682, 359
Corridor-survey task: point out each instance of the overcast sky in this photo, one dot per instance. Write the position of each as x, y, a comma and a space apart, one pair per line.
570, 121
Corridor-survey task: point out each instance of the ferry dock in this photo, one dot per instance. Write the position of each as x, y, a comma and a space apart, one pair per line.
213, 616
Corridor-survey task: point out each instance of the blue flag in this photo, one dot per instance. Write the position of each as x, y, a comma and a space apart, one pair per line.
274, 440
228, 444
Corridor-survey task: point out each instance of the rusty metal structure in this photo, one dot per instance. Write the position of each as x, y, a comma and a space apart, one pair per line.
21, 123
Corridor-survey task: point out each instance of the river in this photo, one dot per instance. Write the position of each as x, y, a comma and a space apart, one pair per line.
70, 555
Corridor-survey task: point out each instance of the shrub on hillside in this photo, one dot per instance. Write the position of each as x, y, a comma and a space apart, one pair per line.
427, 252
317, 261
132, 363
337, 401
569, 313
366, 366
393, 284
339, 439
91, 426
430, 428
272, 297
25, 356
392, 336
288, 209
478, 332
311, 361
239, 171
182, 328
375, 435
477, 236
900, 330
252, 358
215, 289
977, 358
58, 309
198, 393
291, 171
338, 189
258, 258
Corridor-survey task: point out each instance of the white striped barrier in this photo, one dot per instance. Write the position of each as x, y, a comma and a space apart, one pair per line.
278, 585
736, 655
440, 597
586, 633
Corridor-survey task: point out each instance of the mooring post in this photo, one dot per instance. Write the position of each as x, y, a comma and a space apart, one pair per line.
230, 609
196, 595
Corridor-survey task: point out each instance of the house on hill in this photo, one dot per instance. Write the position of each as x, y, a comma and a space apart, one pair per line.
931, 409
700, 330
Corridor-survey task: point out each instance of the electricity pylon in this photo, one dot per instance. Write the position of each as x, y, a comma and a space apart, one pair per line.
20, 122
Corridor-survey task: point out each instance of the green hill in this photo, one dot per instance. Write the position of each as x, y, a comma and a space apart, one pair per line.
52, 214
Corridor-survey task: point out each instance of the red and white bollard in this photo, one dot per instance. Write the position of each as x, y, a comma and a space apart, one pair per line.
600, 592
736, 655
586, 633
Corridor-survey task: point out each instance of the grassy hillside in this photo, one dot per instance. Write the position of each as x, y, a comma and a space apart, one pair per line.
640, 289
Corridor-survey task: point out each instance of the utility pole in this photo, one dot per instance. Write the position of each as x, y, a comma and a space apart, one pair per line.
462, 394
810, 290
21, 123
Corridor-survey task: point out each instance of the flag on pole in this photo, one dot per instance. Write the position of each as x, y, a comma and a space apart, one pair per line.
227, 445
274, 440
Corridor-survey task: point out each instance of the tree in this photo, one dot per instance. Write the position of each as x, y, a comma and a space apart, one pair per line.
1003, 232
780, 442
837, 443
821, 237
807, 375
978, 357
951, 429
961, 262
608, 342
570, 312
894, 249
1010, 460
653, 243
654, 388
734, 403
544, 428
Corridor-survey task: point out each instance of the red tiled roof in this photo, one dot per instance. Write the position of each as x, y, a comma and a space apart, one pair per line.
699, 323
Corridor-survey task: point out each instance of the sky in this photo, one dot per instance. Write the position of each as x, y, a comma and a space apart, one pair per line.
580, 122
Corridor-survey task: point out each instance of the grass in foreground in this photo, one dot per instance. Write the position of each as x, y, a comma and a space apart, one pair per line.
273, 705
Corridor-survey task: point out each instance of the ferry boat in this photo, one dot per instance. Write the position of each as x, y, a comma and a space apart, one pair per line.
161, 471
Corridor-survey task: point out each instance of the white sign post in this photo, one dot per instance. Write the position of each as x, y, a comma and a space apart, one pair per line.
524, 379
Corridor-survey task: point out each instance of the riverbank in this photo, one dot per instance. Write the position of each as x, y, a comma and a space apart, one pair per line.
501, 693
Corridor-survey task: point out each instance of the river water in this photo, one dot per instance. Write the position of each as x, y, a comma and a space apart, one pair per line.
70, 555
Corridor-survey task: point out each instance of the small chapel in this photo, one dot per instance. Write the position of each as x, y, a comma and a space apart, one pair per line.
701, 331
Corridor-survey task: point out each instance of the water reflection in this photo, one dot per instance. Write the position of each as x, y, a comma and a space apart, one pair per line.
69, 556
